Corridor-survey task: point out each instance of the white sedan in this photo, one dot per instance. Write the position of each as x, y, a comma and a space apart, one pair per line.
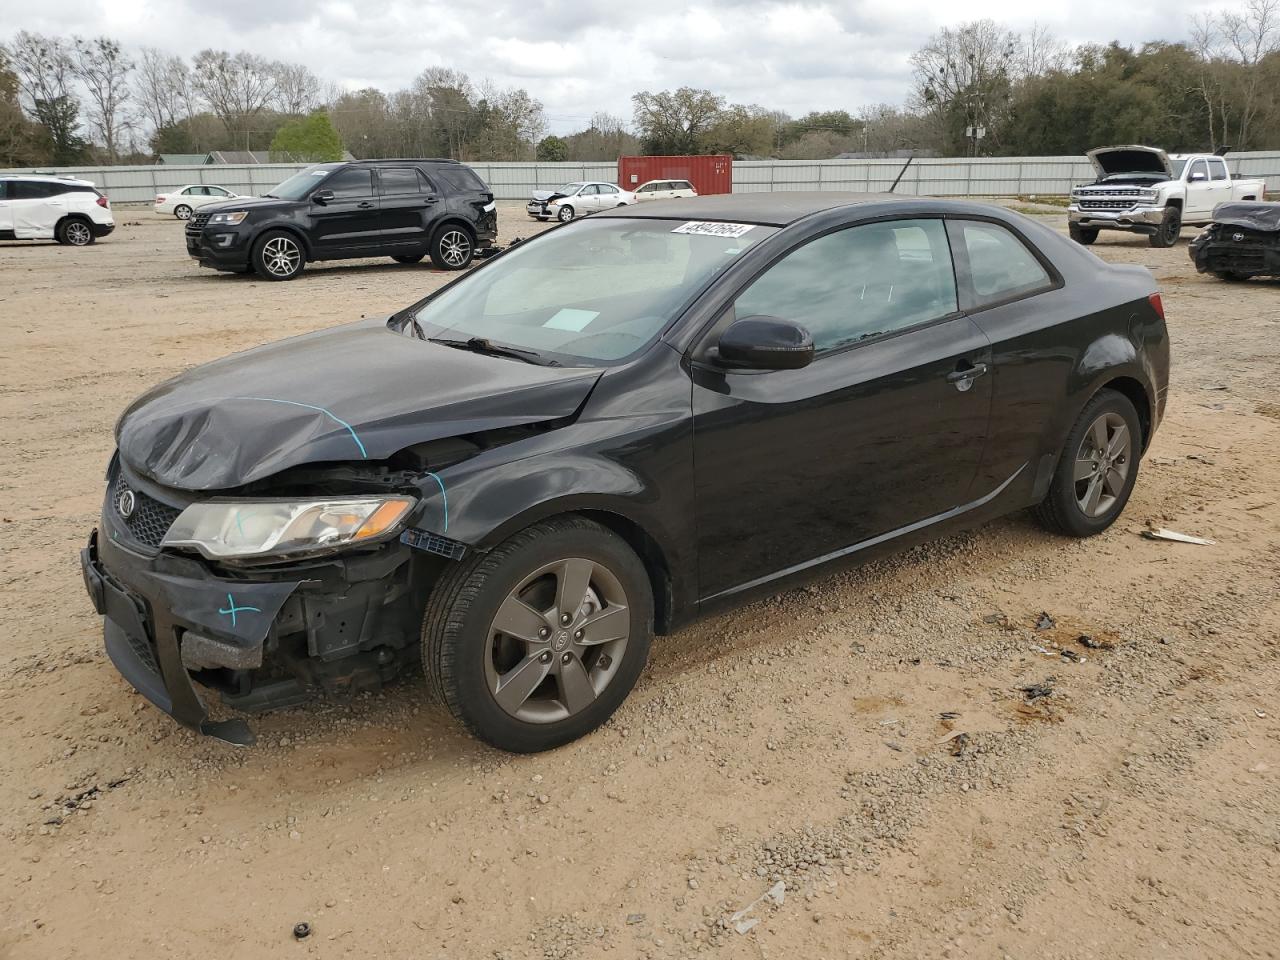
182, 201
665, 190
576, 200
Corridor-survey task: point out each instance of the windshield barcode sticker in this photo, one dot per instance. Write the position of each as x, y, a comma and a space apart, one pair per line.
705, 228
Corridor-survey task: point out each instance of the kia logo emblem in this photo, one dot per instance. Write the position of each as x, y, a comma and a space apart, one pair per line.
126, 503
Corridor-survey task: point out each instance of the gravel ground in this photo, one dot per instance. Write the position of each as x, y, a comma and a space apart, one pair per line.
998, 745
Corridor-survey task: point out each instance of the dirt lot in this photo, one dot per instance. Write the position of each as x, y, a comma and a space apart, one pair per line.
1133, 812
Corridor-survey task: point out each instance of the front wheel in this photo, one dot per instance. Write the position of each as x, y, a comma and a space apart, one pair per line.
566, 213
538, 641
452, 248
279, 256
1170, 229
1096, 470
1083, 235
182, 212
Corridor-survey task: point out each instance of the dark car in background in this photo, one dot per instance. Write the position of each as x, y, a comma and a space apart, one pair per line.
1242, 242
403, 209
608, 430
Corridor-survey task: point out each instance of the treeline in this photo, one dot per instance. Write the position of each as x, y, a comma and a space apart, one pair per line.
977, 89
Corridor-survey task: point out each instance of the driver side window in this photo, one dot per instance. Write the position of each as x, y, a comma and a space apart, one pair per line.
859, 283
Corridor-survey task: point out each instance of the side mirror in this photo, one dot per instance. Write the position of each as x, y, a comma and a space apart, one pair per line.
1196, 178
322, 196
765, 343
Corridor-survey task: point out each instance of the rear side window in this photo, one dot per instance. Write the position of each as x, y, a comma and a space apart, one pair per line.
859, 283
351, 182
459, 178
1218, 169
1000, 265
398, 181
33, 189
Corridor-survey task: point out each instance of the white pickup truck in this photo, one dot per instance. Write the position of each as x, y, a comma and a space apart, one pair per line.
1145, 190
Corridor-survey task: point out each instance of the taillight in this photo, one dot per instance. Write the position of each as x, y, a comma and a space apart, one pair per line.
1156, 304
159, 199
103, 202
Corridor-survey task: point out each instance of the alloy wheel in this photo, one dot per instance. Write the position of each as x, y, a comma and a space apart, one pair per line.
78, 234
281, 256
565, 214
557, 640
1102, 464
455, 248
183, 212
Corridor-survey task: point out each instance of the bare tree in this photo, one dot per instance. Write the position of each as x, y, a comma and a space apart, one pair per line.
1040, 53
237, 88
1251, 36
964, 78
164, 91
44, 68
102, 66
298, 91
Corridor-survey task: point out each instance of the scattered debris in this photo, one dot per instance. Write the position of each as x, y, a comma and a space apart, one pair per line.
777, 895
1042, 650
1260, 714
999, 618
959, 745
746, 926
301, 930
1093, 643
634, 918
1045, 622
893, 746
1035, 691
1071, 655
949, 715
1175, 536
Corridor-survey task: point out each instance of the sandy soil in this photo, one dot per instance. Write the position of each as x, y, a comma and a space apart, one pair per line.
863, 740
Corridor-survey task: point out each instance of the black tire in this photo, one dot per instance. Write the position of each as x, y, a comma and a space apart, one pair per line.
1082, 235
408, 257
1231, 276
278, 255
453, 247
1060, 511
458, 645
566, 213
178, 211
1170, 229
74, 232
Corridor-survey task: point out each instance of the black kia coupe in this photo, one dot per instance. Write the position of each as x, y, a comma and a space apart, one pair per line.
604, 432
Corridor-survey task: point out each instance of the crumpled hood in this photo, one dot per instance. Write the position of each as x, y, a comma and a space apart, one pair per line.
1130, 159
356, 392
1257, 215
544, 195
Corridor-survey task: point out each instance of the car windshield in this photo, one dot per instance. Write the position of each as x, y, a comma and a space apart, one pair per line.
1178, 166
569, 188
301, 183
597, 291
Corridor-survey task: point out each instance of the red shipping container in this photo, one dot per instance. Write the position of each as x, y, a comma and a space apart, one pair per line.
709, 174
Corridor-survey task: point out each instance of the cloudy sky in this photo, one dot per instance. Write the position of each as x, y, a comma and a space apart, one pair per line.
580, 56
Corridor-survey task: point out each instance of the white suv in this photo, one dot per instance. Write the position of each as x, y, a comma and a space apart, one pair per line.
34, 207
665, 190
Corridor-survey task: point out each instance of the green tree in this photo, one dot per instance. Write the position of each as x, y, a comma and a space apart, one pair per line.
552, 149
675, 121
312, 139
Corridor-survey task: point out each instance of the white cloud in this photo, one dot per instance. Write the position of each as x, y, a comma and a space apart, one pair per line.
587, 55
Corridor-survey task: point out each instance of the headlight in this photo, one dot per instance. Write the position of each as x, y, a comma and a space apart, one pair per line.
241, 528
228, 219
1148, 194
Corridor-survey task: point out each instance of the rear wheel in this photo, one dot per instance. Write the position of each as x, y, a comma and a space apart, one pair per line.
279, 256
408, 258
538, 641
1170, 229
452, 248
1083, 235
74, 232
1097, 468
182, 212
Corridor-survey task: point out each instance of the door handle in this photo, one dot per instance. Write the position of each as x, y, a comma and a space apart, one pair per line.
964, 376
365, 205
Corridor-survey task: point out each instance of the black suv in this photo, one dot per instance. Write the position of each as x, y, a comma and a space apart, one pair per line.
404, 209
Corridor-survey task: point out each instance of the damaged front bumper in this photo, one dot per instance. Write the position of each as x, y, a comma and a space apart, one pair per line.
164, 616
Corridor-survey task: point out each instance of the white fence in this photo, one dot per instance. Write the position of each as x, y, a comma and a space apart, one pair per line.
981, 177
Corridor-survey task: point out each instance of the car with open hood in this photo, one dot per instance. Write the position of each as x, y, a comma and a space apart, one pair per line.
577, 199
1145, 190
1243, 241
604, 432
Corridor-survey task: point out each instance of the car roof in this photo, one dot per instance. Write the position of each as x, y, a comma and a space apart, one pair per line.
45, 178
767, 209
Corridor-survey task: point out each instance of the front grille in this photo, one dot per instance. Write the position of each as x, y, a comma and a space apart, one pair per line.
150, 519
197, 221
1123, 203
1237, 260
142, 648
